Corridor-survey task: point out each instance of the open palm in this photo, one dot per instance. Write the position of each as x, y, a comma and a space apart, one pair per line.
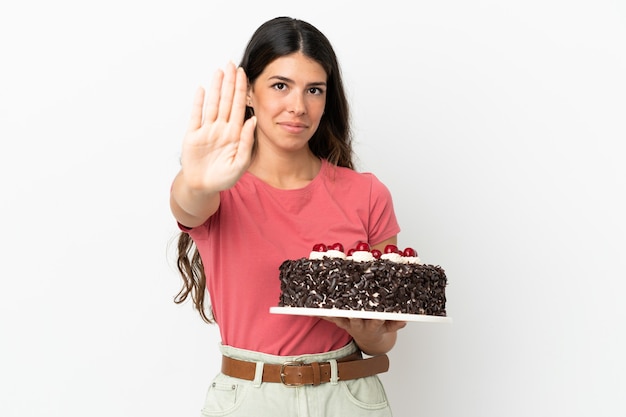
218, 144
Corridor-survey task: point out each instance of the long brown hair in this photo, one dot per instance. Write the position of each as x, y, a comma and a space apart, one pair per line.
332, 141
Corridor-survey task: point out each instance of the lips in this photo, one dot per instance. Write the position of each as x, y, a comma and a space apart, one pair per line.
293, 127
293, 124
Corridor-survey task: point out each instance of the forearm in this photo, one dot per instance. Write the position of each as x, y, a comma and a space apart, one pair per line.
191, 207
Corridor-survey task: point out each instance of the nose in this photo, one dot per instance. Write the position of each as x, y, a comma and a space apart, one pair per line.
297, 105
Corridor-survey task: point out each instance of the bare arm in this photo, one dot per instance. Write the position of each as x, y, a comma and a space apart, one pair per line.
374, 337
216, 148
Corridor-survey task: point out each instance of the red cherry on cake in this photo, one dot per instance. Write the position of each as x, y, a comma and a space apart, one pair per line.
319, 247
409, 252
391, 249
351, 252
363, 247
376, 253
336, 246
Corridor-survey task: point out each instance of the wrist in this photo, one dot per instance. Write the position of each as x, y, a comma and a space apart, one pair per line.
191, 206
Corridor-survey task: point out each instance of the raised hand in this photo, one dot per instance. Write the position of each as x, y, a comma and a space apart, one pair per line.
218, 144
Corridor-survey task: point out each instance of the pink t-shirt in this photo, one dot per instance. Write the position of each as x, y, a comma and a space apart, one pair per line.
257, 227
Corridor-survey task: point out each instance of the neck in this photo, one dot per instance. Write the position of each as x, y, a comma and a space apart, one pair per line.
286, 171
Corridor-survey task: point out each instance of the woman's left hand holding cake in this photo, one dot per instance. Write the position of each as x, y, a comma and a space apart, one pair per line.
374, 337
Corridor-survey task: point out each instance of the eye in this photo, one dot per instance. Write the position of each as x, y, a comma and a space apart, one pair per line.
316, 91
279, 86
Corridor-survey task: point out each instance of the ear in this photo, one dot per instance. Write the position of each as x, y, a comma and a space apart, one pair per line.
249, 92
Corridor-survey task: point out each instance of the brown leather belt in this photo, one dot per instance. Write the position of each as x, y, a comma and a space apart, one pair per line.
298, 373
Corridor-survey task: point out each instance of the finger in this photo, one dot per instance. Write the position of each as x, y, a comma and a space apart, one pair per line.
399, 325
356, 324
238, 109
227, 92
342, 323
212, 102
196, 109
247, 138
372, 325
394, 326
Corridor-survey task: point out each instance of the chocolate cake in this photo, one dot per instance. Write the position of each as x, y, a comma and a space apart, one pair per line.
395, 281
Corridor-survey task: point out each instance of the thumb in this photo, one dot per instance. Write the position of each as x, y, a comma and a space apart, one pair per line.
246, 140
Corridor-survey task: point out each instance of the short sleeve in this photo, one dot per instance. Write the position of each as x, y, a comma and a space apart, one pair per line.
383, 223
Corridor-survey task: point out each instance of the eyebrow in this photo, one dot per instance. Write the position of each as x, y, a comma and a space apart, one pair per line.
289, 80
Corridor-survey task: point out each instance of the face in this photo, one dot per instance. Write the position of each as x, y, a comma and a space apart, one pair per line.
288, 99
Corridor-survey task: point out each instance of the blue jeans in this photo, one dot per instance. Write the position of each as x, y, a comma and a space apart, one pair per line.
228, 396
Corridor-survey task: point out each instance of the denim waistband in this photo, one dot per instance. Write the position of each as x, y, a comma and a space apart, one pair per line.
254, 356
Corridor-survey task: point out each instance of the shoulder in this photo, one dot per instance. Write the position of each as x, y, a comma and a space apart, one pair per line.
352, 177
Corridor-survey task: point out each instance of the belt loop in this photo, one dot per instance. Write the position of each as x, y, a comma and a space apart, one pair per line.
316, 373
258, 375
334, 375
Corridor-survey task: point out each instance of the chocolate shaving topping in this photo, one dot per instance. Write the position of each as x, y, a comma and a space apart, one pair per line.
378, 285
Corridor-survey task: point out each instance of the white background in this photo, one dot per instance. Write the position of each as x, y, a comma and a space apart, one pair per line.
499, 127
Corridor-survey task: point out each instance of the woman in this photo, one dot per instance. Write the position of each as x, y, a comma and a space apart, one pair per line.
266, 173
